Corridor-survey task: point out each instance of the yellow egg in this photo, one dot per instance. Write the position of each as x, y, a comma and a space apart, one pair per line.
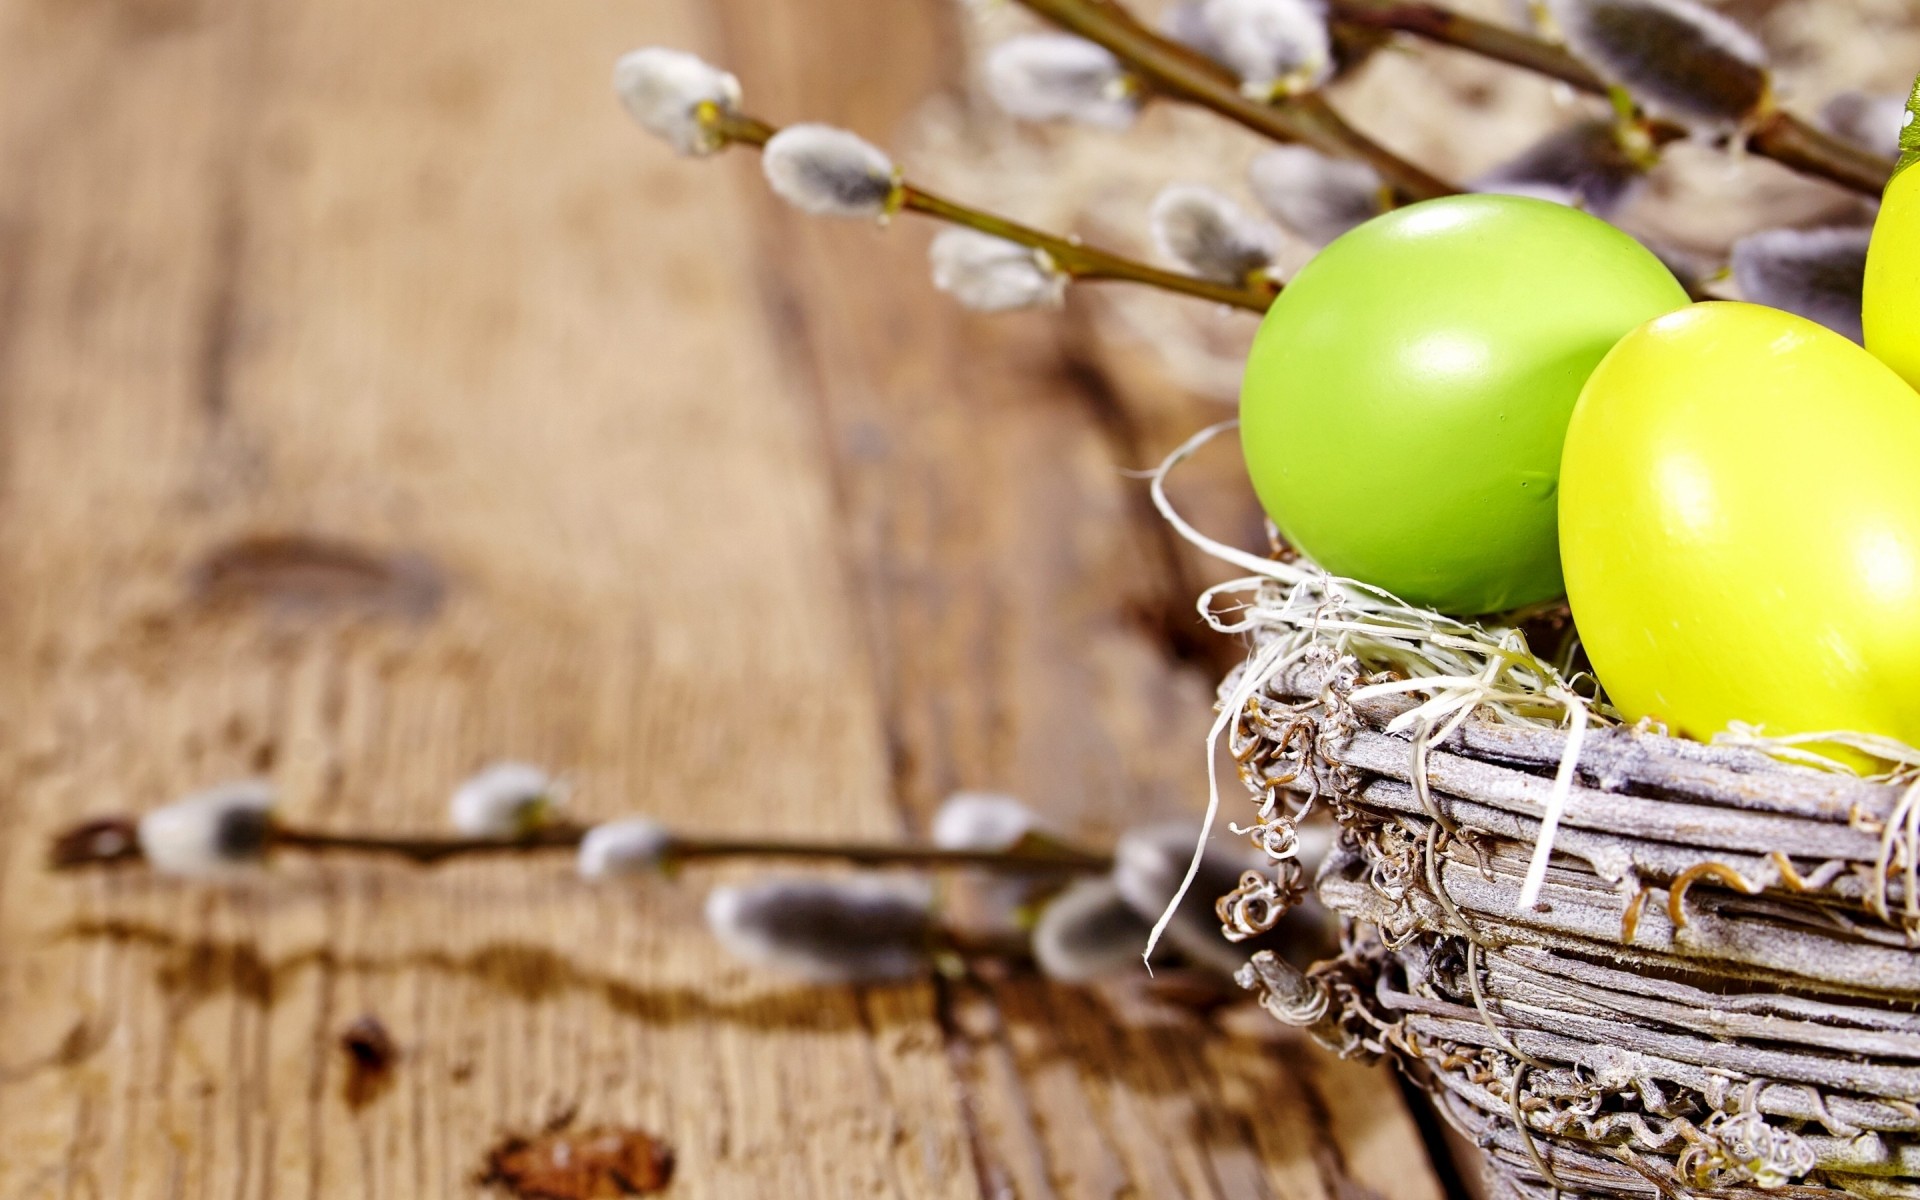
1890, 308
1740, 527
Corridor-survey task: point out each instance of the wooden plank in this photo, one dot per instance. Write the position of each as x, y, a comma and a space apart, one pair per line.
1031, 622
374, 401
405, 281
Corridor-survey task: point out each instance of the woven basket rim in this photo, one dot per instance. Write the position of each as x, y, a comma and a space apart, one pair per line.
1778, 1005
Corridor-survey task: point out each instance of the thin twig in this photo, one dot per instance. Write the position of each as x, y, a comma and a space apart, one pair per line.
1026, 856
1779, 135
1069, 256
1471, 34
83, 846
425, 849
1174, 70
1791, 142
1085, 262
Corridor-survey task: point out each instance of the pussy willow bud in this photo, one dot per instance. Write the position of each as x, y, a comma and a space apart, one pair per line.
1057, 77
665, 91
504, 801
1677, 57
990, 900
1871, 122
990, 274
1818, 274
1317, 197
1087, 931
837, 930
1148, 865
1210, 235
1276, 47
830, 173
632, 846
1582, 164
982, 821
210, 832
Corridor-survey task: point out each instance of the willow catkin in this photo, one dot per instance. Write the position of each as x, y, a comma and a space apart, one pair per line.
211, 832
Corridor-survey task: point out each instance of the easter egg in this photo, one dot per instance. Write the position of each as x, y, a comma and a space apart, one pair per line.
1740, 526
1407, 394
1890, 309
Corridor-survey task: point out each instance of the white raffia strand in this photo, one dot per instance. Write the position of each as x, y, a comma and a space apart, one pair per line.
1265, 664
1792, 748
1556, 804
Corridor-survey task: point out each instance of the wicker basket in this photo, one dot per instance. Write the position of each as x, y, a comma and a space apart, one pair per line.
1714, 996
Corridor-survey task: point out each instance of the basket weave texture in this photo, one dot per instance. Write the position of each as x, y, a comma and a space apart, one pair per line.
1715, 994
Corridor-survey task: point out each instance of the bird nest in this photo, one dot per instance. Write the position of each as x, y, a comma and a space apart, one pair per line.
1625, 964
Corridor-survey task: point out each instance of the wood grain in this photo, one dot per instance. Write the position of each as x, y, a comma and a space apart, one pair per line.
374, 402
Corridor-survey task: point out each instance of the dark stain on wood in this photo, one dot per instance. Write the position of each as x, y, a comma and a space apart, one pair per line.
304, 575
371, 1056
598, 1163
205, 968
86, 1037
192, 970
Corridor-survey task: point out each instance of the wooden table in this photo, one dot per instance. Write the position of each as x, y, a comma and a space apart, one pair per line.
376, 401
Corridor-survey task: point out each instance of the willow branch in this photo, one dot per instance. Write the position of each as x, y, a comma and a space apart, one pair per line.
1027, 856
1791, 142
1068, 255
1085, 262
111, 840
1173, 70
1484, 38
1779, 135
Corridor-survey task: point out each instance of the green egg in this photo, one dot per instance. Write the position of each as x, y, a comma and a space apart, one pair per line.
1408, 394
